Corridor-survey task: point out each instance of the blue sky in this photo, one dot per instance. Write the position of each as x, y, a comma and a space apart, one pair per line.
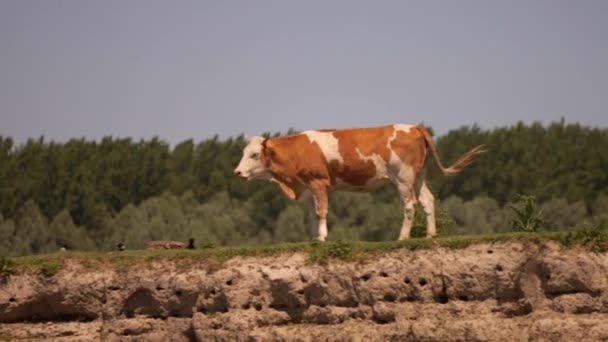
192, 69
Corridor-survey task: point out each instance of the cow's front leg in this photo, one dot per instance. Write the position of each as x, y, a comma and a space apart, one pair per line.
428, 203
319, 195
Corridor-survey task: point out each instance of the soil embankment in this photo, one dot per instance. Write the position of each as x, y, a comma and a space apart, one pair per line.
509, 291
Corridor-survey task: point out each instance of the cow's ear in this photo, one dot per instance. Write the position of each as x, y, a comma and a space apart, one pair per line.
271, 153
268, 151
250, 138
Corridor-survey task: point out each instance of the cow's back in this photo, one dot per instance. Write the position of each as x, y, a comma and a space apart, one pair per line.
366, 155
357, 159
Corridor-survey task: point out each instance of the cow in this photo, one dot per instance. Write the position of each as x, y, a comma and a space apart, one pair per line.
314, 162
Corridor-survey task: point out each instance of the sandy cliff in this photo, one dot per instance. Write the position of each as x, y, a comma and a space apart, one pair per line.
514, 291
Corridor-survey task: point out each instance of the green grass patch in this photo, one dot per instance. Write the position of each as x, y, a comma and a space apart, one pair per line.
48, 265
7, 266
593, 239
50, 269
322, 251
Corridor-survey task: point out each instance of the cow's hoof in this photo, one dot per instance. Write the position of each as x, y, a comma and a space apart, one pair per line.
431, 236
321, 238
403, 238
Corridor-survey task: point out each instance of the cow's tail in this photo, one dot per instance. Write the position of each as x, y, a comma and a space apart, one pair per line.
463, 161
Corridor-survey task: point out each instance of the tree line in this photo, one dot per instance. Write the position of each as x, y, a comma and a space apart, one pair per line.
92, 194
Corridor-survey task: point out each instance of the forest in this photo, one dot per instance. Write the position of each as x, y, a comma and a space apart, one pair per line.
90, 195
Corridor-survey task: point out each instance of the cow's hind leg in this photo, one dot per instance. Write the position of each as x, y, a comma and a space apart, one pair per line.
408, 200
428, 203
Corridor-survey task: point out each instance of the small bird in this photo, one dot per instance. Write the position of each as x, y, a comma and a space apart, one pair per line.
120, 246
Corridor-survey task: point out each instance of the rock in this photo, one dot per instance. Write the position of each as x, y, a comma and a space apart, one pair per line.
569, 329
513, 309
565, 274
326, 315
270, 317
578, 303
59, 331
382, 314
146, 329
602, 303
66, 297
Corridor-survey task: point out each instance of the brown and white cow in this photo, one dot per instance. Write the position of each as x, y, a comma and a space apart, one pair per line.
359, 159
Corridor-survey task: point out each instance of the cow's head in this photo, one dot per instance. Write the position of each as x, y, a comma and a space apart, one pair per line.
252, 164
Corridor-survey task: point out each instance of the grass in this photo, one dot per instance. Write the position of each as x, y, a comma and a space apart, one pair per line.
48, 265
592, 237
7, 266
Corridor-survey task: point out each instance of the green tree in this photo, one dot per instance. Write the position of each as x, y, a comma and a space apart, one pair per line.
130, 227
7, 231
225, 221
63, 231
561, 215
181, 176
484, 215
292, 225
31, 231
481, 215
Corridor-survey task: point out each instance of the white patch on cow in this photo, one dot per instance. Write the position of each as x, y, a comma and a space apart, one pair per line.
394, 160
402, 175
428, 203
405, 174
399, 172
396, 129
319, 224
251, 166
322, 235
381, 177
402, 127
379, 163
328, 144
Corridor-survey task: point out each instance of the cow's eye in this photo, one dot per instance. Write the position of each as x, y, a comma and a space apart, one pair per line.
255, 155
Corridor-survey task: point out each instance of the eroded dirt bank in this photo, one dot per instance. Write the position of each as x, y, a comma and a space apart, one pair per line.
488, 292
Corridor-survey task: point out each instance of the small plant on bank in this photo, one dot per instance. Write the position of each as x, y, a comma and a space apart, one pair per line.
528, 216
7, 266
50, 269
592, 236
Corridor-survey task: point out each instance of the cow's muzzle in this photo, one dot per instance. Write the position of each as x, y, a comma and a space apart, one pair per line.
239, 174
